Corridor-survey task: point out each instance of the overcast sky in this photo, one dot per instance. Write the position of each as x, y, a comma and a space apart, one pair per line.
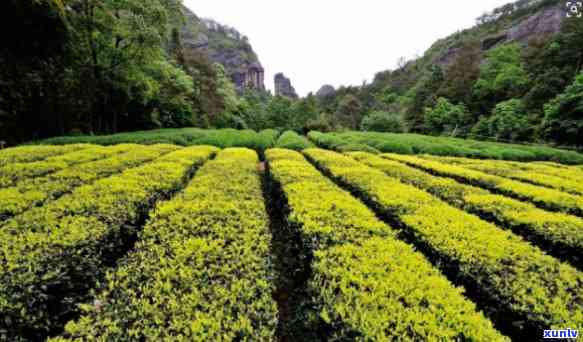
317, 42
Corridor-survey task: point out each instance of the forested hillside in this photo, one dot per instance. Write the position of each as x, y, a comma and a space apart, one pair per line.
92, 67
73, 67
515, 76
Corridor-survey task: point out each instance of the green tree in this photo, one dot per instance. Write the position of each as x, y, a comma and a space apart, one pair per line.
563, 120
383, 122
502, 77
116, 40
553, 63
423, 95
280, 113
510, 122
173, 91
34, 81
349, 112
447, 118
323, 123
253, 109
226, 89
304, 110
463, 73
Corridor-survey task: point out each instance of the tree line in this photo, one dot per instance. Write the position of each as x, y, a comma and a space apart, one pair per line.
102, 66
513, 92
72, 67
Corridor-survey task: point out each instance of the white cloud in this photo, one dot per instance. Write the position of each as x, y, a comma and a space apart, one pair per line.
340, 42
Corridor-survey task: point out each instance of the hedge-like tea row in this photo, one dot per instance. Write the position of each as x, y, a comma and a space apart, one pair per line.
25, 154
525, 287
545, 198
571, 186
537, 175
367, 284
14, 172
333, 142
53, 255
201, 270
441, 146
36, 191
571, 173
561, 233
547, 168
222, 138
293, 141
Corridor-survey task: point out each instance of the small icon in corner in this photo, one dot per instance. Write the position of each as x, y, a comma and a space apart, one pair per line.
574, 9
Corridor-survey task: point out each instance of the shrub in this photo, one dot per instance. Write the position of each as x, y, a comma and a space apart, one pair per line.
366, 282
293, 141
26, 154
59, 251
199, 270
383, 122
13, 172
545, 198
415, 143
558, 233
357, 147
495, 261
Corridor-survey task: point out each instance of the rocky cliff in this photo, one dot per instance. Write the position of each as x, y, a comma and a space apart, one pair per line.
518, 22
224, 45
522, 21
283, 87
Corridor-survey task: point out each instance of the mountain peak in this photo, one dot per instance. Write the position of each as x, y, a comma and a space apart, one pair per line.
224, 45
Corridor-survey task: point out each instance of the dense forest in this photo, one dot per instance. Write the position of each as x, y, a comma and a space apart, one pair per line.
510, 92
73, 67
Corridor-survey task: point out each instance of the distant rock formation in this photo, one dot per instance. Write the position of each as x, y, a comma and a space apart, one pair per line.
253, 78
325, 91
283, 87
224, 45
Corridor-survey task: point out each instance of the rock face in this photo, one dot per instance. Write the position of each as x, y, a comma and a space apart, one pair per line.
547, 22
283, 87
543, 22
224, 45
325, 91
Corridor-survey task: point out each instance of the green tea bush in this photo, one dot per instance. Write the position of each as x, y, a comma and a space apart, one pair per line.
183, 136
544, 197
366, 282
491, 259
444, 146
59, 251
293, 141
558, 233
32, 192
200, 271
26, 154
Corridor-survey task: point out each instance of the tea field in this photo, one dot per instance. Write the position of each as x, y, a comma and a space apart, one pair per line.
119, 241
